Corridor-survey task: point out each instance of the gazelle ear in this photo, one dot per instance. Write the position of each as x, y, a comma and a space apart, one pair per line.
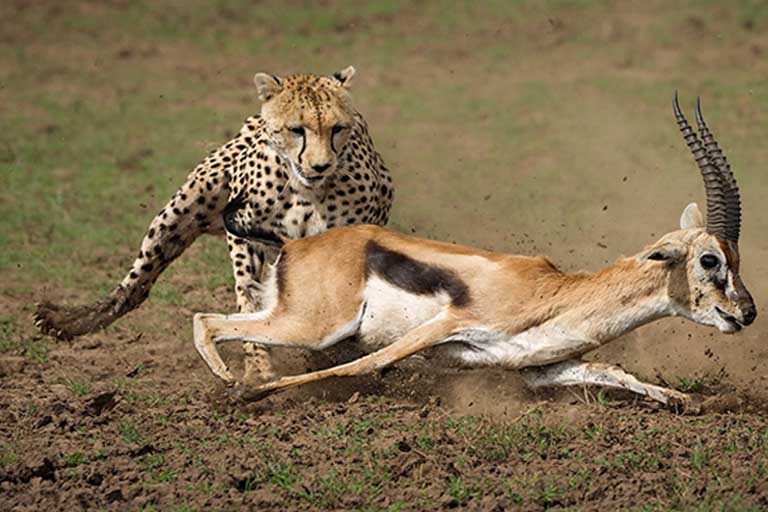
345, 76
691, 217
267, 85
668, 251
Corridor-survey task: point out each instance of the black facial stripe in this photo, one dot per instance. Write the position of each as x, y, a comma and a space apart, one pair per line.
414, 276
303, 145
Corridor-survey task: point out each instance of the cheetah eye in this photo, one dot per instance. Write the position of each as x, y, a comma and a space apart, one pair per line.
709, 261
338, 129
298, 130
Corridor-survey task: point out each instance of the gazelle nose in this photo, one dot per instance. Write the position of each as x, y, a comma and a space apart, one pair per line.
749, 315
321, 167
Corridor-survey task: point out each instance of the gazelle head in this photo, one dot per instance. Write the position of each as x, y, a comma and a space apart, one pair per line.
702, 258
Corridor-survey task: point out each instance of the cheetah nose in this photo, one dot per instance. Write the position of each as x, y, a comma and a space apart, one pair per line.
321, 167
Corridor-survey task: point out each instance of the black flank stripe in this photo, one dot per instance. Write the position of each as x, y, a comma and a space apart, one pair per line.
414, 276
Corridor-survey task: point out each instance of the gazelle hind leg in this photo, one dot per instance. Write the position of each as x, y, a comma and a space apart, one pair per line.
263, 328
260, 328
426, 335
580, 373
206, 347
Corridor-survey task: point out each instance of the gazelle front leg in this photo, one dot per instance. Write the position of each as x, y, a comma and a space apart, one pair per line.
580, 373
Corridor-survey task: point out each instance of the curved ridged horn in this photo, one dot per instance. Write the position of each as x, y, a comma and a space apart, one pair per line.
713, 184
731, 188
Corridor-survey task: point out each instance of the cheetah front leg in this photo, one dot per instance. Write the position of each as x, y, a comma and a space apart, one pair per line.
248, 262
193, 210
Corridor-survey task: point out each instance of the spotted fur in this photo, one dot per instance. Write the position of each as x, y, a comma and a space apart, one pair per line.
335, 178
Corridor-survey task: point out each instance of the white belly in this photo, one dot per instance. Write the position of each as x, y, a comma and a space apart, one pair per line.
541, 345
390, 312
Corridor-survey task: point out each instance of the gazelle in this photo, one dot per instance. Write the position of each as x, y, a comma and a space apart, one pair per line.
399, 295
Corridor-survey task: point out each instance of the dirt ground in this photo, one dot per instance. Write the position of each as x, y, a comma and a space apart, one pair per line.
533, 127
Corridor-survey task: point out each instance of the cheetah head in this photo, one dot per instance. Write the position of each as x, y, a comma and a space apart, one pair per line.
309, 119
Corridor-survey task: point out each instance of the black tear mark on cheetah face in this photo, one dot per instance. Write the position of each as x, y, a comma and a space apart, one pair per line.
310, 120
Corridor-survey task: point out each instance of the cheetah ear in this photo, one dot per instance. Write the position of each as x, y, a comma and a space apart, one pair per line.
345, 76
267, 85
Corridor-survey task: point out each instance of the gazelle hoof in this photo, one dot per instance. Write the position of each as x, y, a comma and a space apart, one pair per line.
246, 393
684, 404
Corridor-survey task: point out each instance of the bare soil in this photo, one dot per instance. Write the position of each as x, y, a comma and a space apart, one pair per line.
533, 127
142, 427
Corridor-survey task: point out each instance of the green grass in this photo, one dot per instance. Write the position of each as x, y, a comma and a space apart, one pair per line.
507, 125
152, 460
7, 455
36, 351
150, 399
8, 342
699, 383
469, 458
459, 490
91, 143
130, 433
77, 387
74, 459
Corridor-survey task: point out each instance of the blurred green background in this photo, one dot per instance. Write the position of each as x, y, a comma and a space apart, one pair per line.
526, 126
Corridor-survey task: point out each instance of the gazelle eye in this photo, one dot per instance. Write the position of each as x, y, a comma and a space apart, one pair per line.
338, 128
298, 130
709, 261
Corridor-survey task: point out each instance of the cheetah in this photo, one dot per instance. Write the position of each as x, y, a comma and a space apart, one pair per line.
304, 164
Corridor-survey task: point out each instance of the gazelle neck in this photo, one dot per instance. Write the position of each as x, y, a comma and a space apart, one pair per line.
604, 305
